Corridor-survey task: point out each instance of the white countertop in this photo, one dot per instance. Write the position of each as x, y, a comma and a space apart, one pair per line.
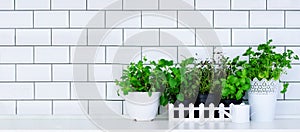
123, 124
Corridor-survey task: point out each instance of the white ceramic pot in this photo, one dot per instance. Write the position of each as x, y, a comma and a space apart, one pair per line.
262, 99
140, 106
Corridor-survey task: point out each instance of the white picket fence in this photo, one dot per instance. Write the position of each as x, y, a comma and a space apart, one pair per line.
222, 110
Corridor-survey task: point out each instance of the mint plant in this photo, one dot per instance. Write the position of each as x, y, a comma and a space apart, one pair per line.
268, 64
236, 83
136, 78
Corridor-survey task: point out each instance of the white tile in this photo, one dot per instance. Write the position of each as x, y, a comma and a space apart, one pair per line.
7, 72
70, 72
16, 19
104, 36
283, 4
159, 19
292, 74
176, 4
140, 4
248, 36
73, 107
195, 19
293, 91
69, 37
34, 107
7, 107
104, 72
32, 4
91, 19
208, 37
123, 55
104, 4
55, 19
156, 53
16, 91
232, 52
284, 36
266, 18
68, 4
123, 19
33, 36
292, 19
16, 55
51, 54
248, 5
8, 37
33, 72
112, 94
287, 107
201, 53
140, 37
88, 54
231, 19
107, 108
88, 90
212, 4
7, 5
177, 37
52, 90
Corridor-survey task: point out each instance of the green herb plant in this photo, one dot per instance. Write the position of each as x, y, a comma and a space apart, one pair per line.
268, 64
136, 78
236, 82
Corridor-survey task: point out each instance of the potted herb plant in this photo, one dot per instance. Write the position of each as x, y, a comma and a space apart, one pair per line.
175, 81
264, 68
236, 82
142, 98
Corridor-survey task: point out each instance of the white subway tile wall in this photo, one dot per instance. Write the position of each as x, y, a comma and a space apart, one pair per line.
61, 57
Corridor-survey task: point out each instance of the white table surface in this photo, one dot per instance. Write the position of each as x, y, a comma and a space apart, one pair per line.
71, 123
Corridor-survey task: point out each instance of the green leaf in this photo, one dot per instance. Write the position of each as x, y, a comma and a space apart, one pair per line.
180, 97
285, 86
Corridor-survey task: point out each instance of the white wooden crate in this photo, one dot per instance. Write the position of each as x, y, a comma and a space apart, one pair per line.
222, 110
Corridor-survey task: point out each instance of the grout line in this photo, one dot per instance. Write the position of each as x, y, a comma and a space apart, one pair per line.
14, 4
51, 37
69, 18
51, 66
267, 34
231, 36
177, 18
50, 4
33, 54
87, 72
177, 54
15, 37
266, 4
70, 90
16, 108
105, 54
249, 18
141, 19
195, 37
158, 4
150, 10
159, 37
70, 54
213, 19
52, 107
106, 91
87, 37
230, 4
34, 96
15, 72
155, 28
195, 4
33, 19
123, 37
86, 4
122, 5
284, 19
105, 19
88, 107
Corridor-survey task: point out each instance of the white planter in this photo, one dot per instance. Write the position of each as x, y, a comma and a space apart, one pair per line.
262, 99
140, 106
